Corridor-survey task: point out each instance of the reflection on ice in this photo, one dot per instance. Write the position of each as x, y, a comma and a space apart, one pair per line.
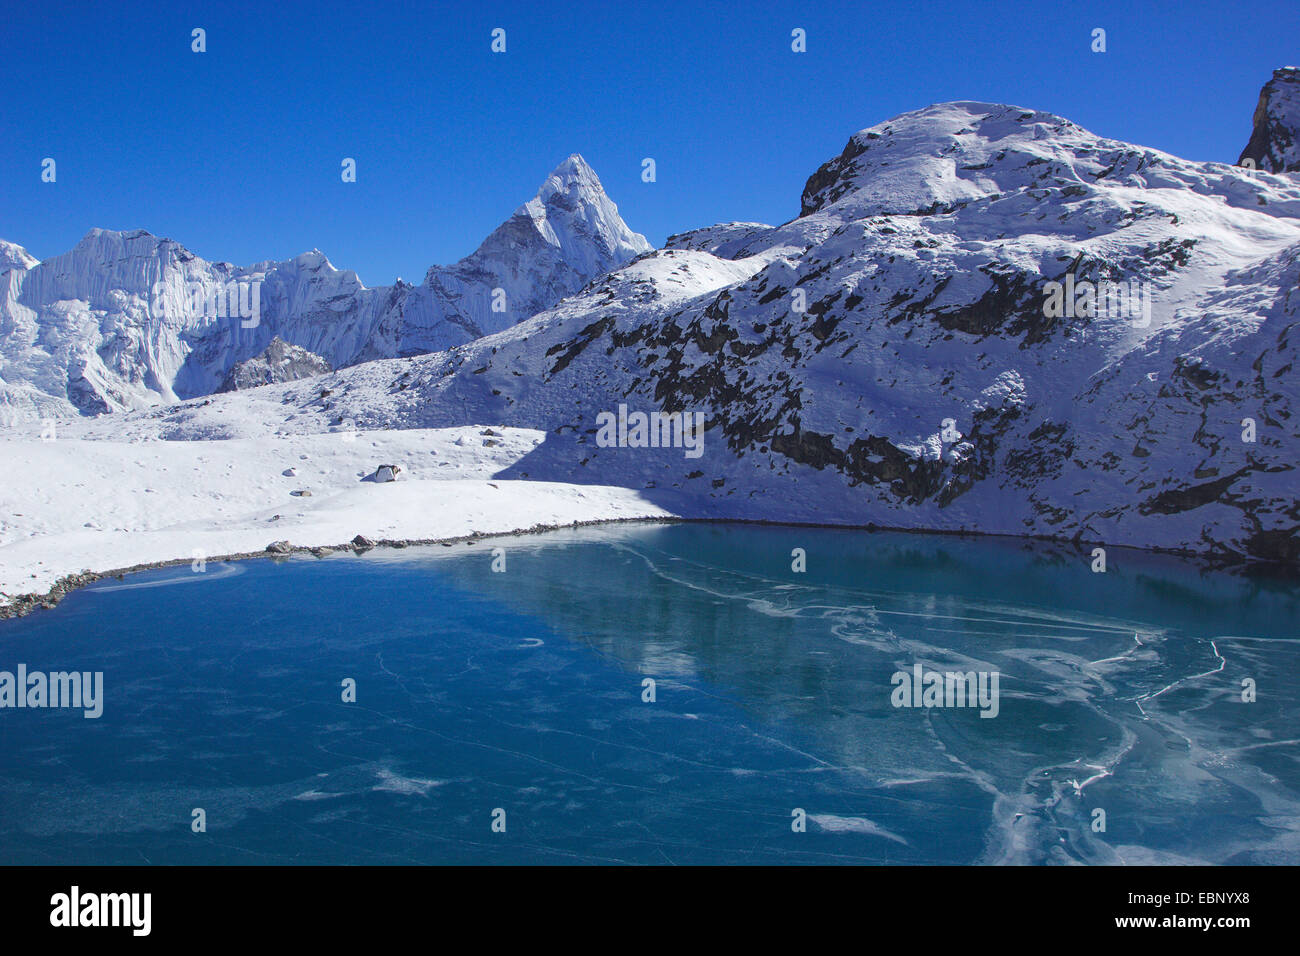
1147, 714
1119, 694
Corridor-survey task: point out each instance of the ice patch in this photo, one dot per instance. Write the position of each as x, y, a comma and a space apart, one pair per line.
396, 783
835, 824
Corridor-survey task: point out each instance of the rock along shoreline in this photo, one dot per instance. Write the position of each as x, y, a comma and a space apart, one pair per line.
24, 604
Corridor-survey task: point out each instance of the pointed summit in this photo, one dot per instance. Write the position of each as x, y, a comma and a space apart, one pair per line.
572, 212
570, 227
1275, 140
569, 233
572, 175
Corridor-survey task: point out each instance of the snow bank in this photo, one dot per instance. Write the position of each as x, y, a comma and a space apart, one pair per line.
71, 505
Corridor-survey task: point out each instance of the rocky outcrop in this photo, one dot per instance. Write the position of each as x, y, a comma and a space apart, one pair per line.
1275, 138
280, 362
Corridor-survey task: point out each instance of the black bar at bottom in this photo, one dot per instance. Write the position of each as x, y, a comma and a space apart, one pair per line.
333, 905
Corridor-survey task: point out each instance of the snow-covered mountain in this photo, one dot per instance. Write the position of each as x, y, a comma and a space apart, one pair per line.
984, 318
129, 320
1274, 142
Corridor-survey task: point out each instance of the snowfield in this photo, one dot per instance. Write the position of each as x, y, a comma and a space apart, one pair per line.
74, 505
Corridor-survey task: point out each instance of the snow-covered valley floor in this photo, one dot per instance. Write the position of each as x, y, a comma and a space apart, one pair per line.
72, 505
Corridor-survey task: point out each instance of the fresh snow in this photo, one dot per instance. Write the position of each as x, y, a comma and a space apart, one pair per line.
73, 505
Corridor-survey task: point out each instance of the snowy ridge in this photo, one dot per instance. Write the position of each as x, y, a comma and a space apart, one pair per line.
13, 256
112, 324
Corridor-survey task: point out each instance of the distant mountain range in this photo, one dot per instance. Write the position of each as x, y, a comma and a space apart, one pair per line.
128, 320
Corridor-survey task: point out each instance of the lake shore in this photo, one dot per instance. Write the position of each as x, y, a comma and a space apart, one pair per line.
77, 511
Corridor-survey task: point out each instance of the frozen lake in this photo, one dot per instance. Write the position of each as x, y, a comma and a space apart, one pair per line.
773, 735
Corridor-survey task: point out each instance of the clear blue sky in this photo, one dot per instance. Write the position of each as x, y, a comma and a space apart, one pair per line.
236, 152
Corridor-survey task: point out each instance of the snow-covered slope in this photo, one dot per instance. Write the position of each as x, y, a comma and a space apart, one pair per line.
1275, 138
890, 357
13, 256
127, 320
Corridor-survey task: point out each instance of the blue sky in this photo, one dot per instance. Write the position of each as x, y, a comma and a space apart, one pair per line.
236, 152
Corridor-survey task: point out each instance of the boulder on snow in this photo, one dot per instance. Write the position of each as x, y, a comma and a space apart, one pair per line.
361, 542
386, 473
279, 547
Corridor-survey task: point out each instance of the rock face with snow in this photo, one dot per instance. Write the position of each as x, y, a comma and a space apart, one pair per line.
1275, 139
902, 354
127, 320
280, 362
13, 256
726, 241
553, 245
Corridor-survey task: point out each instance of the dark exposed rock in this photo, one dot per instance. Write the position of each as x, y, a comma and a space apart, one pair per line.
827, 184
1275, 138
278, 362
1190, 496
